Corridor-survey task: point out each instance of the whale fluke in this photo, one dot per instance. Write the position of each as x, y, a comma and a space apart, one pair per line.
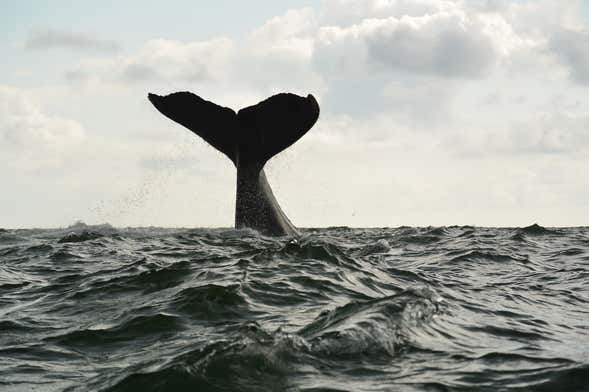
256, 133
249, 138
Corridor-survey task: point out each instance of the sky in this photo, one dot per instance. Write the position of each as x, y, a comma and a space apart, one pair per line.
433, 112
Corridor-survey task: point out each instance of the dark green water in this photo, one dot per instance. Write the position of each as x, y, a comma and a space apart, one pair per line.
404, 309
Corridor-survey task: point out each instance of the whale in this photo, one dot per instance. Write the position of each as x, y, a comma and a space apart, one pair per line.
249, 137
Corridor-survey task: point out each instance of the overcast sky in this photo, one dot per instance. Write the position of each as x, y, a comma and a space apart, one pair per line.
433, 112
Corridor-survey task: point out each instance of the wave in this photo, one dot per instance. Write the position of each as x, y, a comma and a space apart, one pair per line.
536, 229
339, 309
488, 255
95, 337
309, 248
211, 302
373, 328
253, 359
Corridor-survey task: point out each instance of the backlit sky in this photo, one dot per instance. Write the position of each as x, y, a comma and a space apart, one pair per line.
434, 112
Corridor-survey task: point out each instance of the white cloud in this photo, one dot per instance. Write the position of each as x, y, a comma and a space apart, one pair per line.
218, 68
161, 59
445, 39
293, 31
535, 18
32, 139
347, 12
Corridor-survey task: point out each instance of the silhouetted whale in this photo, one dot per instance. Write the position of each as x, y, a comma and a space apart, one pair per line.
249, 138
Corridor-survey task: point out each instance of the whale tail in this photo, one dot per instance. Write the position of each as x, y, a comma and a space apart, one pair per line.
251, 136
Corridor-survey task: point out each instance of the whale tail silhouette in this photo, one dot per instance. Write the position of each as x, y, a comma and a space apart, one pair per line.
254, 134
249, 138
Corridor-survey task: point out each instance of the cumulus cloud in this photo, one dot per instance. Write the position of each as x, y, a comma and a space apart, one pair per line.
346, 38
273, 58
32, 139
293, 31
442, 38
282, 48
51, 39
161, 59
535, 18
348, 12
450, 52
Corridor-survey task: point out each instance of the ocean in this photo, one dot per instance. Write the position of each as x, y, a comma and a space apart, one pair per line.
98, 308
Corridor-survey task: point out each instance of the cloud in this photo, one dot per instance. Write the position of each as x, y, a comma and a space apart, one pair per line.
30, 138
453, 51
161, 59
51, 39
572, 49
406, 60
348, 12
550, 133
293, 31
446, 39
281, 49
308, 49
536, 18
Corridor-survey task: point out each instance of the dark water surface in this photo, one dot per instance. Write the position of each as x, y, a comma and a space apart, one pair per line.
405, 309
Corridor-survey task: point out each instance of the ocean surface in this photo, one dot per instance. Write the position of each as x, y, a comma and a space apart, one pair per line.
97, 308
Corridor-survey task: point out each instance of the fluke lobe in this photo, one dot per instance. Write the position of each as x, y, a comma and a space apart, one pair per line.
249, 138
